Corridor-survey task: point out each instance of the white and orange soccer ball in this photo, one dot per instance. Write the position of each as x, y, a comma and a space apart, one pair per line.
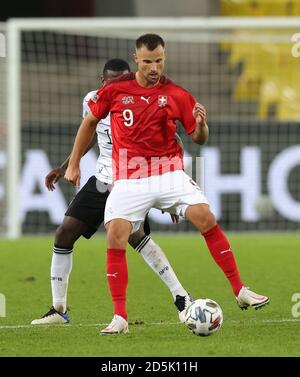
203, 317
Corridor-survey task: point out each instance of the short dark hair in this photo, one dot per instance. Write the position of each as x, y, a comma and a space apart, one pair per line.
116, 65
151, 41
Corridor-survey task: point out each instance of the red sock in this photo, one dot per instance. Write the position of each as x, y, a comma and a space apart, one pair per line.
117, 276
221, 252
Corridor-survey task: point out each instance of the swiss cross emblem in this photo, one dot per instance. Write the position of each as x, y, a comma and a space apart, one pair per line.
162, 101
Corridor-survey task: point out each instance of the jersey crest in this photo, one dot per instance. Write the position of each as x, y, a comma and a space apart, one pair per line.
127, 100
162, 101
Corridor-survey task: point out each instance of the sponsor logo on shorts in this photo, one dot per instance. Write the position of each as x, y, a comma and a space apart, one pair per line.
194, 184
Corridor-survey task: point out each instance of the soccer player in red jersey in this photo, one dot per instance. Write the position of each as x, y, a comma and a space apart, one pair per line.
86, 213
148, 168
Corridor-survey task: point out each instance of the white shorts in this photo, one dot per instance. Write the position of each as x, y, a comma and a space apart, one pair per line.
132, 199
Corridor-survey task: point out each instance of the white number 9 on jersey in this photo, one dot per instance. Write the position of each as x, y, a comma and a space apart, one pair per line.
128, 117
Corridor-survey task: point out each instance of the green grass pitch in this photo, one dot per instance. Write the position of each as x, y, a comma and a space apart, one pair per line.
269, 264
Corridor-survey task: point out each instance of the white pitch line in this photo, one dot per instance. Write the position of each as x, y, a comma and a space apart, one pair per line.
283, 320
280, 320
82, 325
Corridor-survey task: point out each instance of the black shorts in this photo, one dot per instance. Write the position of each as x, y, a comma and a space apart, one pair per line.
88, 206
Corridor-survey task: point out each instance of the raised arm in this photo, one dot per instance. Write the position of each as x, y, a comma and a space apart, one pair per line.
201, 133
83, 139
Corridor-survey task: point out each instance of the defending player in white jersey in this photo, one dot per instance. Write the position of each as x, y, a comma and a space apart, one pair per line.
86, 213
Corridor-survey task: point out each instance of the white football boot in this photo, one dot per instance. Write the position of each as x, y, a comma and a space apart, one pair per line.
182, 303
53, 317
247, 298
118, 325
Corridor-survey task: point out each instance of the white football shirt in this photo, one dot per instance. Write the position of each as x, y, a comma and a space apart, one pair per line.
104, 162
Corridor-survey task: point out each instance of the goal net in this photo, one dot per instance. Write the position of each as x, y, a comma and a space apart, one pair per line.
244, 71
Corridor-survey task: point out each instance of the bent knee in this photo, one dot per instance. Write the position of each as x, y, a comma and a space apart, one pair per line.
117, 235
208, 220
135, 238
59, 234
116, 240
63, 238
201, 217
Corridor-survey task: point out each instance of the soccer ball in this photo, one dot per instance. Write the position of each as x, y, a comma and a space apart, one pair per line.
203, 317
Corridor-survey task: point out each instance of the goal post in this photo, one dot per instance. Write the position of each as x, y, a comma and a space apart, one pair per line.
13, 129
3, 130
53, 63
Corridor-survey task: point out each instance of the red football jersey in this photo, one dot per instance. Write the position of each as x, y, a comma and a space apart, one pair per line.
143, 124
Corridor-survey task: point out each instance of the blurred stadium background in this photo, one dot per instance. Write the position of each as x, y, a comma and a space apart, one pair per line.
240, 58
245, 71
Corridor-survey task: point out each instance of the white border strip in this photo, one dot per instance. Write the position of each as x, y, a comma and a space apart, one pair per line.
162, 23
